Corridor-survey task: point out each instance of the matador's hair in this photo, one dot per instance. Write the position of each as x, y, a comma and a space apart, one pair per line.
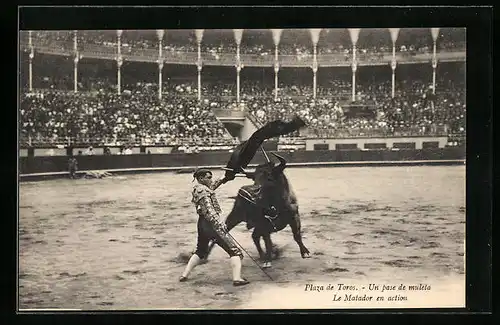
201, 173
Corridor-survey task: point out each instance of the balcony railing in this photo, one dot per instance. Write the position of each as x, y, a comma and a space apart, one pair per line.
28, 141
229, 59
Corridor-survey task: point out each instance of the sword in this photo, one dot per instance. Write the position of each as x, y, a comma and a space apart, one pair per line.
265, 154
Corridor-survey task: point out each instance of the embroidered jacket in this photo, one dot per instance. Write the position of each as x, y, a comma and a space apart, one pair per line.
206, 204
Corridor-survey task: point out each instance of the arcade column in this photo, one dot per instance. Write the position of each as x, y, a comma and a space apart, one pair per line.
160, 77
315, 71
276, 71
119, 63
199, 66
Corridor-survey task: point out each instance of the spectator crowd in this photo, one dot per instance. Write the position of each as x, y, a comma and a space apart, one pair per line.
136, 116
97, 114
414, 111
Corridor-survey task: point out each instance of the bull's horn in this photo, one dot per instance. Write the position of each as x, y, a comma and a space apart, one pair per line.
282, 164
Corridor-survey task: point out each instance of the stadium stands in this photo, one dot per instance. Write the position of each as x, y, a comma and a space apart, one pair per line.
108, 118
97, 114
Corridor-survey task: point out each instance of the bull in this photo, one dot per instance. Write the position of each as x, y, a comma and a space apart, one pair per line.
267, 206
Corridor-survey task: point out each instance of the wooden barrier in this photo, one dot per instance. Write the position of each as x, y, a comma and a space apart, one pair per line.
36, 165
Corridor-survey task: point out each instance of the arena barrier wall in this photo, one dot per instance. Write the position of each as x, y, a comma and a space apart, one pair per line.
58, 165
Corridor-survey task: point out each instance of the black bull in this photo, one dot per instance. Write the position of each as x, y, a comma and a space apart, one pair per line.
267, 206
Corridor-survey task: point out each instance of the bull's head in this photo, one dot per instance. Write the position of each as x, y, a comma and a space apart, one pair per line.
269, 172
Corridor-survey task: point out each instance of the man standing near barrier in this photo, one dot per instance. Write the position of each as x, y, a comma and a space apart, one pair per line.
72, 167
210, 226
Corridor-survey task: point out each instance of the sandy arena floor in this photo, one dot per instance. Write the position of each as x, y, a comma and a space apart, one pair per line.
122, 242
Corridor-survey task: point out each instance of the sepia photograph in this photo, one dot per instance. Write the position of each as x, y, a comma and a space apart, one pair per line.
242, 169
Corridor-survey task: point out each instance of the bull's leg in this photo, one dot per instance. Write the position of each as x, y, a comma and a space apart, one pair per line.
297, 236
256, 239
269, 250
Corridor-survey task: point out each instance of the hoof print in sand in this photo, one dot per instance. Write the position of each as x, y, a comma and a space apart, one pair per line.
105, 303
67, 275
131, 272
397, 263
335, 269
300, 271
431, 244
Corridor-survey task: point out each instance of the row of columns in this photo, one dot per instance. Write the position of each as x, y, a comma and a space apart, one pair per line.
238, 34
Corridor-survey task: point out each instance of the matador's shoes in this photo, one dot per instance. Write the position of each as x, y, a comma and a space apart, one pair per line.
242, 282
183, 278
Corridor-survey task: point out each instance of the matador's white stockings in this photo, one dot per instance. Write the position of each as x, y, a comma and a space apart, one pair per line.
235, 266
193, 261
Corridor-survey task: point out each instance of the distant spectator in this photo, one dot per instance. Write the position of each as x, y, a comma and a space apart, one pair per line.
72, 167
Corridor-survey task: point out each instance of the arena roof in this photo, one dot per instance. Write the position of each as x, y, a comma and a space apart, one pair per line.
253, 36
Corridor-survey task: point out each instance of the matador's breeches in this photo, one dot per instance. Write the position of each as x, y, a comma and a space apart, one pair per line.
207, 232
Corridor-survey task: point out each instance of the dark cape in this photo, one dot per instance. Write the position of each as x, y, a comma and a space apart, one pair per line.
246, 150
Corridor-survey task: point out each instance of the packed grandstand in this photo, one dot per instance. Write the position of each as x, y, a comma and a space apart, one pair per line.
51, 112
